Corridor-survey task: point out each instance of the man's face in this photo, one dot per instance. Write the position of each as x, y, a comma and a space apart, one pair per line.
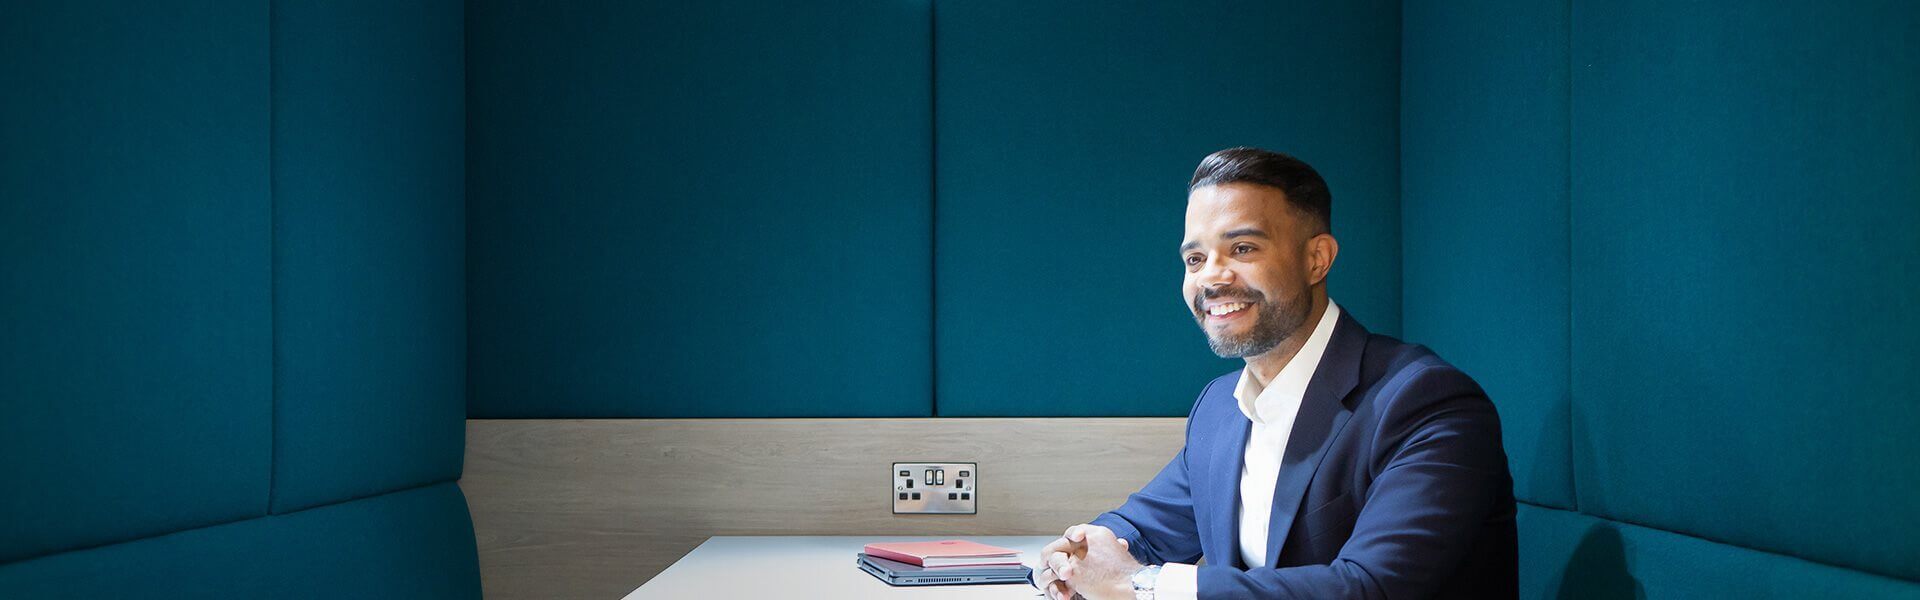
1247, 267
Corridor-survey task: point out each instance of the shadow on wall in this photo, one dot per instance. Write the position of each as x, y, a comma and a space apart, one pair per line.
1598, 569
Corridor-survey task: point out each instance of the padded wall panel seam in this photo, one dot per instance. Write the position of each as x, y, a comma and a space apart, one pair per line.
262, 515
933, 210
273, 255
1730, 544
1602, 558
1613, 558
1566, 125
343, 549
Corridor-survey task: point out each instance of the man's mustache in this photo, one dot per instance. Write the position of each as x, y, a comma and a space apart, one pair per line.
1248, 295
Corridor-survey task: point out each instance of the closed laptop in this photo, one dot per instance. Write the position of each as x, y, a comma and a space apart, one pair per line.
898, 573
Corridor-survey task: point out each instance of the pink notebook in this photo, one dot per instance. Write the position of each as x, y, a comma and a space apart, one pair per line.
945, 553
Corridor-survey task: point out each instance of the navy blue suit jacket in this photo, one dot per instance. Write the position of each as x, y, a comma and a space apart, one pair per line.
1394, 485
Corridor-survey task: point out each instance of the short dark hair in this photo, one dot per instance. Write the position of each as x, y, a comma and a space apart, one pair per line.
1304, 188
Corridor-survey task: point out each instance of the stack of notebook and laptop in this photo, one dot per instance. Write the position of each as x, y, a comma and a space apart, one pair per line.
946, 562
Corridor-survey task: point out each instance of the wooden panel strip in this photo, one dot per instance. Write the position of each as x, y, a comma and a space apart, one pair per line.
593, 508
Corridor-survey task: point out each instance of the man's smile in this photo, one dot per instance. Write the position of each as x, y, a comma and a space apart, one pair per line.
1226, 311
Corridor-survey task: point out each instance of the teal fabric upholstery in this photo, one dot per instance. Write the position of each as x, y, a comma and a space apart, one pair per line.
369, 252
698, 209
1744, 332
1674, 242
230, 265
1569, 555
134, 293
416, 543
1483, 150
1067, 132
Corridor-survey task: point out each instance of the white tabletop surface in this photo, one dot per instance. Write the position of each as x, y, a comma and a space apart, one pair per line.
813, 567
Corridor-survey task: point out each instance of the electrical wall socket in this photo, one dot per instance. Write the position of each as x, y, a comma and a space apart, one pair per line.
943, 488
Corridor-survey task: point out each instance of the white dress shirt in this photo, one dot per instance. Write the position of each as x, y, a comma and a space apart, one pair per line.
1272, 411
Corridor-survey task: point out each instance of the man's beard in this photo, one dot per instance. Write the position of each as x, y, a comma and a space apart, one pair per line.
1277, 319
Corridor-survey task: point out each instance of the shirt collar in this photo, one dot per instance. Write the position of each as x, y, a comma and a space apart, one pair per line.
1290, 385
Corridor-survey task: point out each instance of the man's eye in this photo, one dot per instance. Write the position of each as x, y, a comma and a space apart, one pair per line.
1243, 249
1193, 260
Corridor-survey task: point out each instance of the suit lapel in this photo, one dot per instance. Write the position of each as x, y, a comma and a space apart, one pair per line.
1322, 414
1223, 491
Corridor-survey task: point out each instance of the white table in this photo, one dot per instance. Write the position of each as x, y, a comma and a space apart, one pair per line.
813, 567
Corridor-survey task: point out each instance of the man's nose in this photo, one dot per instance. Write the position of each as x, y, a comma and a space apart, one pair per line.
1214, 274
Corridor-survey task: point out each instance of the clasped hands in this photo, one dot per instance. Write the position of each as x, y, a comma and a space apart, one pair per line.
1087, 561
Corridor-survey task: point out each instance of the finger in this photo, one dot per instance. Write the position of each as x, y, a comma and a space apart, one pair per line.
1085, 532
1076, 533
1123, 543
1056, 560
1057, 545
1058, 590
1058, 563
1067, 545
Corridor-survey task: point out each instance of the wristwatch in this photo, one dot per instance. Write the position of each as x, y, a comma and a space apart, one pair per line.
1144, 581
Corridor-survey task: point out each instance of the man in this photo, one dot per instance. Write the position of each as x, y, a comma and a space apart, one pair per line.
1337, 464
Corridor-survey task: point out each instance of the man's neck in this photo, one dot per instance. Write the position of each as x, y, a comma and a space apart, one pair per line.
1267, 365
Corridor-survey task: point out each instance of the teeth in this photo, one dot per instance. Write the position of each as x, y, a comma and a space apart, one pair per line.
1226, 308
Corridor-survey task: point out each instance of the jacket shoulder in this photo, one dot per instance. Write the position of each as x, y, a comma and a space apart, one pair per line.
1391, 365
1387, 355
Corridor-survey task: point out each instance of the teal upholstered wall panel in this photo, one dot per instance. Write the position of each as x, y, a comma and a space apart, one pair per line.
346, 550
206, 207
1744, 213
1483, 159
698, 209
1066, 133
134, 292
1568, 555
369, 283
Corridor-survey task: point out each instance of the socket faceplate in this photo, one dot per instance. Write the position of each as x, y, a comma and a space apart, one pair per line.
937, 488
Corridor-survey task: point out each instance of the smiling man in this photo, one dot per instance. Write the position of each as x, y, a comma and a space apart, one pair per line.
1337, 464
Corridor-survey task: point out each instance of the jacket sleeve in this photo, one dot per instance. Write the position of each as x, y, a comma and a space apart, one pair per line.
1158, 521
1438, 442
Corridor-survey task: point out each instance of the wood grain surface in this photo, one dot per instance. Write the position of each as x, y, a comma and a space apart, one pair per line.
593, 508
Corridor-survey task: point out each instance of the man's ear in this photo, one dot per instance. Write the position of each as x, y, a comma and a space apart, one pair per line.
1322, 249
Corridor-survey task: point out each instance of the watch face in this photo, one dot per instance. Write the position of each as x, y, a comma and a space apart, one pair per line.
1145, 578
